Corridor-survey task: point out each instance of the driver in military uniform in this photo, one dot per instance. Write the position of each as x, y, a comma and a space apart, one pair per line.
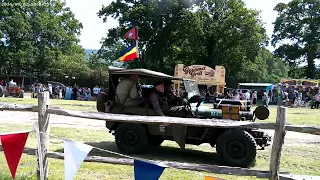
171, 97
176, 108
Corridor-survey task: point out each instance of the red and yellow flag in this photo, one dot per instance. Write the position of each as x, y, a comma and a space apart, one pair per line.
130, 53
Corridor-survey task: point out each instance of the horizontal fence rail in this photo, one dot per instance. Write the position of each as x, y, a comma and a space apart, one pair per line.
280, 126
217, 123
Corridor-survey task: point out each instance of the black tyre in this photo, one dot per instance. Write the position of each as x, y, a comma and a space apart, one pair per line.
132, 138
155, 141
236, 148
213, 142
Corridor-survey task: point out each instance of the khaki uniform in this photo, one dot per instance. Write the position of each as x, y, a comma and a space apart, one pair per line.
127, 93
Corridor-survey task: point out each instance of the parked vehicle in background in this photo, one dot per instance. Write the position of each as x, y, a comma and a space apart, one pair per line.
12, 89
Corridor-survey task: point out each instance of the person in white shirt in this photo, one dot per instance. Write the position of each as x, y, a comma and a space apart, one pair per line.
247, 95
254, 97
265, 99
11, 83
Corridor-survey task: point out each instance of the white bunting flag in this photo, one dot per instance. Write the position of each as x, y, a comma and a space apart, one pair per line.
74, 155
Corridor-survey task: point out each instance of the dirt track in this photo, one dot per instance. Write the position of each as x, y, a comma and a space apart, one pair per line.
63, 121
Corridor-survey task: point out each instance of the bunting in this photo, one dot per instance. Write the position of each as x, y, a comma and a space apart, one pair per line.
74, 155
13, 145
147, 170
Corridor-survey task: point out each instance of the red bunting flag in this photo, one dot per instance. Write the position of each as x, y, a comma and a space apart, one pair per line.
132, 34
13, 145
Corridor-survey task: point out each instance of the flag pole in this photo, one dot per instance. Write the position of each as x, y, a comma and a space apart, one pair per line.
137, 41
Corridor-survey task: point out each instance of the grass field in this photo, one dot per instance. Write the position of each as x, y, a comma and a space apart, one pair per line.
300, 116
296, 159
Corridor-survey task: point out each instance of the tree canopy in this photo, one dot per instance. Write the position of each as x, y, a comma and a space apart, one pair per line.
207, 32
42, 40
297, 28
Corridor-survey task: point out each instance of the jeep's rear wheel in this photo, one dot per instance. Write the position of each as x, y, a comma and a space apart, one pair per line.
236, 148
132, 138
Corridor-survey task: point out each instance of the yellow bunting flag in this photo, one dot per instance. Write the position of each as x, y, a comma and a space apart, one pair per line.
212, 178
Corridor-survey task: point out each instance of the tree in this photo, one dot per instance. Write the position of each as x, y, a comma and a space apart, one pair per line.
233, 36
38, 38
297, 28
208, 32
266, 68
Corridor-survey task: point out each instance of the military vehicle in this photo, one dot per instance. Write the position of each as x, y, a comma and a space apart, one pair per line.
235, 147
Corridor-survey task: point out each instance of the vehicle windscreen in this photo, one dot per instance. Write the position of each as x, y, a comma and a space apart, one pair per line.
191, 87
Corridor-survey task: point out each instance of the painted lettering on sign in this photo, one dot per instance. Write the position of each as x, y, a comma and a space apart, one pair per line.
194, 71
308, 83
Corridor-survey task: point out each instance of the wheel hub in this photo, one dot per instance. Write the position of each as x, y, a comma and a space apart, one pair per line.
130, 138
236, 149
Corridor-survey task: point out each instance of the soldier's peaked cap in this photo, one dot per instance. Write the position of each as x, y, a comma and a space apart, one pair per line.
157, 83
167, 82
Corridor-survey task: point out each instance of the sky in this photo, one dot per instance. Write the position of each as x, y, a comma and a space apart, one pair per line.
94, 29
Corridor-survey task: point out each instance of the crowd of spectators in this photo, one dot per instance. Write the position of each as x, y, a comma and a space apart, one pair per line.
290, 98
68, 92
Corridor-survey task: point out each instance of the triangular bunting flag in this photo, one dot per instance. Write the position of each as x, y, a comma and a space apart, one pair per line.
212, 178
74, 155
13, 145
147, 170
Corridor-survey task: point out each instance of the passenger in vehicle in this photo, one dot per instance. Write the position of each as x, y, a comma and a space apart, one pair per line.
171, 97
158, 100
127, 91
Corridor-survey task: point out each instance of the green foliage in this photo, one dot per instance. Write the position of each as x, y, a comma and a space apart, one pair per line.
266, 68
208, 32
42, 41
37, 37
298, 23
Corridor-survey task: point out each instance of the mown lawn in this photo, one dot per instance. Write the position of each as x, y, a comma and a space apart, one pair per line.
303, 159
295, 159
298, 116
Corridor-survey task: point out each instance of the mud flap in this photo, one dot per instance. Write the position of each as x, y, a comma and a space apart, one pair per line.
179, 133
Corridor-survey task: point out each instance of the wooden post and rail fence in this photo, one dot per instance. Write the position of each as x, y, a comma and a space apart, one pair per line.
44, 110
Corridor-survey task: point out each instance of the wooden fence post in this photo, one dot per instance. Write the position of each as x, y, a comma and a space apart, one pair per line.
278, 141
43, 123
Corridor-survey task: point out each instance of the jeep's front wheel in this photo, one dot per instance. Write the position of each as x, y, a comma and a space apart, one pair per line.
236, 148
132, 138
